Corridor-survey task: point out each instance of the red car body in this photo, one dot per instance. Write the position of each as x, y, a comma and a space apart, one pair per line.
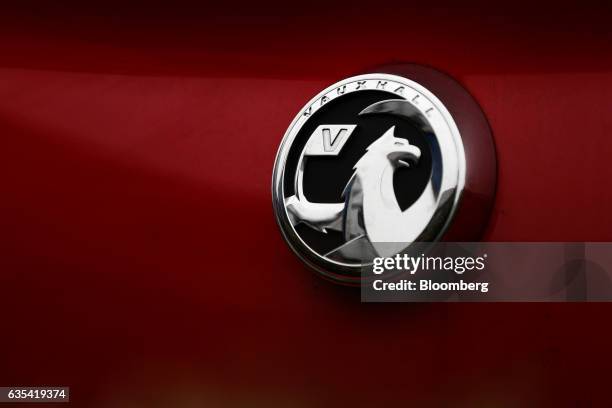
140, 263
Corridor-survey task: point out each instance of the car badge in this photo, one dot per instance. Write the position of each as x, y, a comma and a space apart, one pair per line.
372, 164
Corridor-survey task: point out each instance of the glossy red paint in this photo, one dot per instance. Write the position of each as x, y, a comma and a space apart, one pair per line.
140, 262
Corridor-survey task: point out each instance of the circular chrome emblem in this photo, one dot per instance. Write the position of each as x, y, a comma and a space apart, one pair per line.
369, 166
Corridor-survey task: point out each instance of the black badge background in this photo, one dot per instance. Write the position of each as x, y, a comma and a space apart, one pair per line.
326, 177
